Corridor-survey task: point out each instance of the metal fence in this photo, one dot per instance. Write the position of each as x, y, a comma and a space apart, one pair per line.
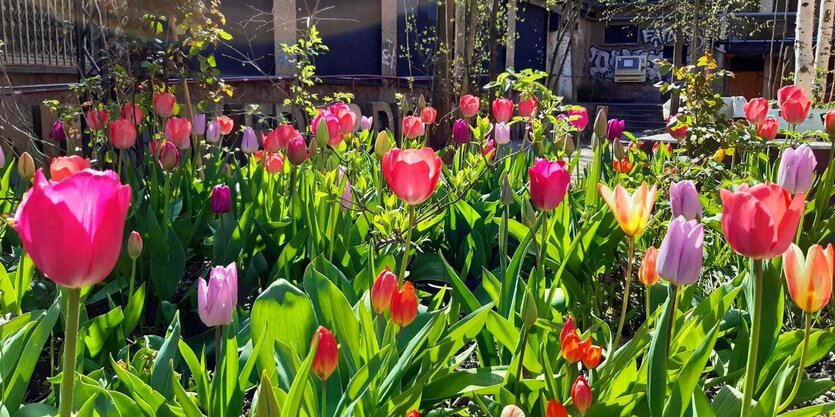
38, 33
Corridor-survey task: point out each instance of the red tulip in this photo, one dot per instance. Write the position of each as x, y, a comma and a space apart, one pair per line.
169, 156
579, 118
404, 305
469, 105
97, 119
273, 163
178, 132
676, 129
413, 413
768, 129
549, 183
122, 134
574, 349
226, 124
384, 288
489, 150
528, 106
756, 110
555, 409
568, 329
623, 166
132, 113
809, 278
581, 394
647, 274
428, 115
73, 229
347, 120
794, 104
593, 356
326, 358
164, 104
829, 123
279, 138
761, 221
62, 167
412, 174
412, 127
502, 110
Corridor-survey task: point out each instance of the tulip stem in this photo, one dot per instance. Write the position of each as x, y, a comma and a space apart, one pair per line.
753, 345
520, 369
803, 353
402, 275
132, 278
630, 254
324, 398
70, 341
647, 303
218, 337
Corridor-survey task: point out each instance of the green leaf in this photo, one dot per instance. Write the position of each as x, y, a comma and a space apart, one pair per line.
18, 383
164, 362
183, 400
97, 330
657, 378
360, 383
334, 312
133, 311
688, 376
266, 404
293, 403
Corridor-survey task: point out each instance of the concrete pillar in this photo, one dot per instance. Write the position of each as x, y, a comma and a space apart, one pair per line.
284, 31
388, 12
510, 56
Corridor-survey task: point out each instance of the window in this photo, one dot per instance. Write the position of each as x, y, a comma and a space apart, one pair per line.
620, 35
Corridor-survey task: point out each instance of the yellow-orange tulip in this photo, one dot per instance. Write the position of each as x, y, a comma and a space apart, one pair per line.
647, 274
810, 278
631, 211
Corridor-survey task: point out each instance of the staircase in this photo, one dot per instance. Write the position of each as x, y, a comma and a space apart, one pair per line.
640, 117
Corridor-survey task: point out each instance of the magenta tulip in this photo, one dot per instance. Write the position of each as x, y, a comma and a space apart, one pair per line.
73, 229
461, 132
549, 183
221, 199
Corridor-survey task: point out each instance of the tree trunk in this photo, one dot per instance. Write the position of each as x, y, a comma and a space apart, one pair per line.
472, 28
678, 57
822, 50
442, 85
493, 27
510, 56
803, 57
460, 41
694, 32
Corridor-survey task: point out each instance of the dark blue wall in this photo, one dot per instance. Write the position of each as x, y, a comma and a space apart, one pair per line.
352, 30
250, 24
422, 18
532, 30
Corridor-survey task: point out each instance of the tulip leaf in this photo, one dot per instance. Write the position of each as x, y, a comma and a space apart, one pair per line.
189, 409
688, 376
97, 330
265, 402
811, 411
293, 402
334, 312
360, 383
15, 386
283, 313
133, 310
658, 354
166, 358
149, 400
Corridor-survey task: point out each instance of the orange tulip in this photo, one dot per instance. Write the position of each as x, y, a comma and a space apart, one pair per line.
647, 274
594, 354
573, 349
631, 211
809, 278
555, 409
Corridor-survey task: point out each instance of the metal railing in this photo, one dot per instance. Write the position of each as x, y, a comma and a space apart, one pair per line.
37, 33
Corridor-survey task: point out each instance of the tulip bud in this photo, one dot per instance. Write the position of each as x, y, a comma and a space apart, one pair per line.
829, 123
647, 273
421, 103
249, 142
382, 145
618, 150
134, 245
322, 133
413, 413
461, 132
169, 157
549, 183
26, 166
404, 305
313, 148
581, 394
384, 288
2, 157
601, 124
366, 122
681, 253
58, 133
594, 354
568, 145
555, 409
528, 215
198, 124
684, 200
512, 411
326, 358
529, 310
297, 151
507, 191
221, 201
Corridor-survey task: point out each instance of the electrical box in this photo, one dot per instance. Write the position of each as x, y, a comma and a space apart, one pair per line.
630, 69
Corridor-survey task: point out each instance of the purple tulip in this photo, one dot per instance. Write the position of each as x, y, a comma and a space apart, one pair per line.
461, 132
58, 133
684, 200
249, 142
502, 134
615, 129
366, 122
221, 199
682, 251
216, 300
198, 124
213, 132
797, 169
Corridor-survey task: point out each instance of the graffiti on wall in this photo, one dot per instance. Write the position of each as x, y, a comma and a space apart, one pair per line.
389, 58
657, 37
602, 62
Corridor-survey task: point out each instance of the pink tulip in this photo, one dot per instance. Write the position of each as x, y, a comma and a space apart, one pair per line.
428, 115
164, 104
469, 105
768, 128
528, 107
62, 167
829, 123
73, 229
579, 118
122, 134
756, 110
132, 113
297, 151
273, 163
549, 183
794, 104
169, 156
760, 222
178, 132
226, 124
412, 127
331, 123
216, 300
412, 174
502, 110
97, 119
